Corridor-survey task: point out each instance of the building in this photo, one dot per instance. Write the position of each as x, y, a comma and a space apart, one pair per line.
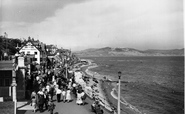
5, 79
35, 51
51, 49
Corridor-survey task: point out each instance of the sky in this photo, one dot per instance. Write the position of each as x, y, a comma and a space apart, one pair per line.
82, 24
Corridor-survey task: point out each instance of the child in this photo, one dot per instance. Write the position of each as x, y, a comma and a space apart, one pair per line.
51, 107
68, 95
33, 103
64, 95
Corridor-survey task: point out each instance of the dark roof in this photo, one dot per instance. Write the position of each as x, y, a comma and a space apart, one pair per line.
49, 46
35, 42
6, 65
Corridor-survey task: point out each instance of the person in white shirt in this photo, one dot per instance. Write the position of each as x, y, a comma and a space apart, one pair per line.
48, 87
53, 78
58, 92
37, 78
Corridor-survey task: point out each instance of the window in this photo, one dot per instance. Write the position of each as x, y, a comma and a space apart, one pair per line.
4, 82
35, 59
1, 82
35, 53
28, 52
7, 82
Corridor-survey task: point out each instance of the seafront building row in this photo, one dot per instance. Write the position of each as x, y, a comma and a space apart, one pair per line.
35, 59
30, 55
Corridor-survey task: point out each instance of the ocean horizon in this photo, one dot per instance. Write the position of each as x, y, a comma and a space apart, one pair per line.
156, 84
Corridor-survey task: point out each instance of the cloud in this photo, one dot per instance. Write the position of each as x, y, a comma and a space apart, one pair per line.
139, 24
31, 10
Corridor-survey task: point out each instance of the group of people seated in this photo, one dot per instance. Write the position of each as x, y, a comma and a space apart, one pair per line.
96, 107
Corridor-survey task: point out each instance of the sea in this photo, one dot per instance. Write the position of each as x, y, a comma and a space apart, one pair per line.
155, 84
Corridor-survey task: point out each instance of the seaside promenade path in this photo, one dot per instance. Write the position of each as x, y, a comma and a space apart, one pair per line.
62, 108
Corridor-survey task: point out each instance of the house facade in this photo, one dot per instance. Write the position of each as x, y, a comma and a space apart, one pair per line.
31, 50
35, 51
51, 49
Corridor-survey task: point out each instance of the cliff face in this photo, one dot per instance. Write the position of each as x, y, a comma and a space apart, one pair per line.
108, 51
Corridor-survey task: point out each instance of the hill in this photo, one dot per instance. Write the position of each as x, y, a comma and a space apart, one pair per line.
108, 51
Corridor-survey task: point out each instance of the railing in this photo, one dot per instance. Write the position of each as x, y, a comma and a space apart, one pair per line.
103, 100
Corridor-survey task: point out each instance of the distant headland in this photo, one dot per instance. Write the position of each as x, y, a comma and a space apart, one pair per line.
121, 52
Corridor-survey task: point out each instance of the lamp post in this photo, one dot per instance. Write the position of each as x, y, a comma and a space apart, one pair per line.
14, 93
119, 85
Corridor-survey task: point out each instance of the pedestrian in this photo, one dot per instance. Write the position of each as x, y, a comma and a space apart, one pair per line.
64, 95
58, 93
79, 98
33, 94
48, 87
52, 91
33, 103
46, 99
98, 109
94, 104
84, 95
74, 89
51, 107
40, 100
68, 95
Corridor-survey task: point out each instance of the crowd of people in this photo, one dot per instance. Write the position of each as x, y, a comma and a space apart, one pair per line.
50, 83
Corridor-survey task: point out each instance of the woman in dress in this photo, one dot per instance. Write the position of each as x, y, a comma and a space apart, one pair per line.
79, 98
33, 101
68, 95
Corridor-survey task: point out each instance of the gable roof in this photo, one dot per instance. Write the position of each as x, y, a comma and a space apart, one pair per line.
31, 43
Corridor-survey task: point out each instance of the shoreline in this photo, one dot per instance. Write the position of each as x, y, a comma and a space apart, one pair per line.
101, 94
110, 90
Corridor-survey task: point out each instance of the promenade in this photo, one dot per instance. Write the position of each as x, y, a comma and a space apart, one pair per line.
61, 108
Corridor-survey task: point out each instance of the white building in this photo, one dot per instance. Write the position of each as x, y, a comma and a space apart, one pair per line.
35, 52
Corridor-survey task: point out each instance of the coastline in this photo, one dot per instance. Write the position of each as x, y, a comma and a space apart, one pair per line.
109, 91
101, 95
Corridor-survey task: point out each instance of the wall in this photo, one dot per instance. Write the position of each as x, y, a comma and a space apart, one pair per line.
20, 80
4, 88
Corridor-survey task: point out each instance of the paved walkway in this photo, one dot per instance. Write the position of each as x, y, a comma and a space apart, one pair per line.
61, 108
